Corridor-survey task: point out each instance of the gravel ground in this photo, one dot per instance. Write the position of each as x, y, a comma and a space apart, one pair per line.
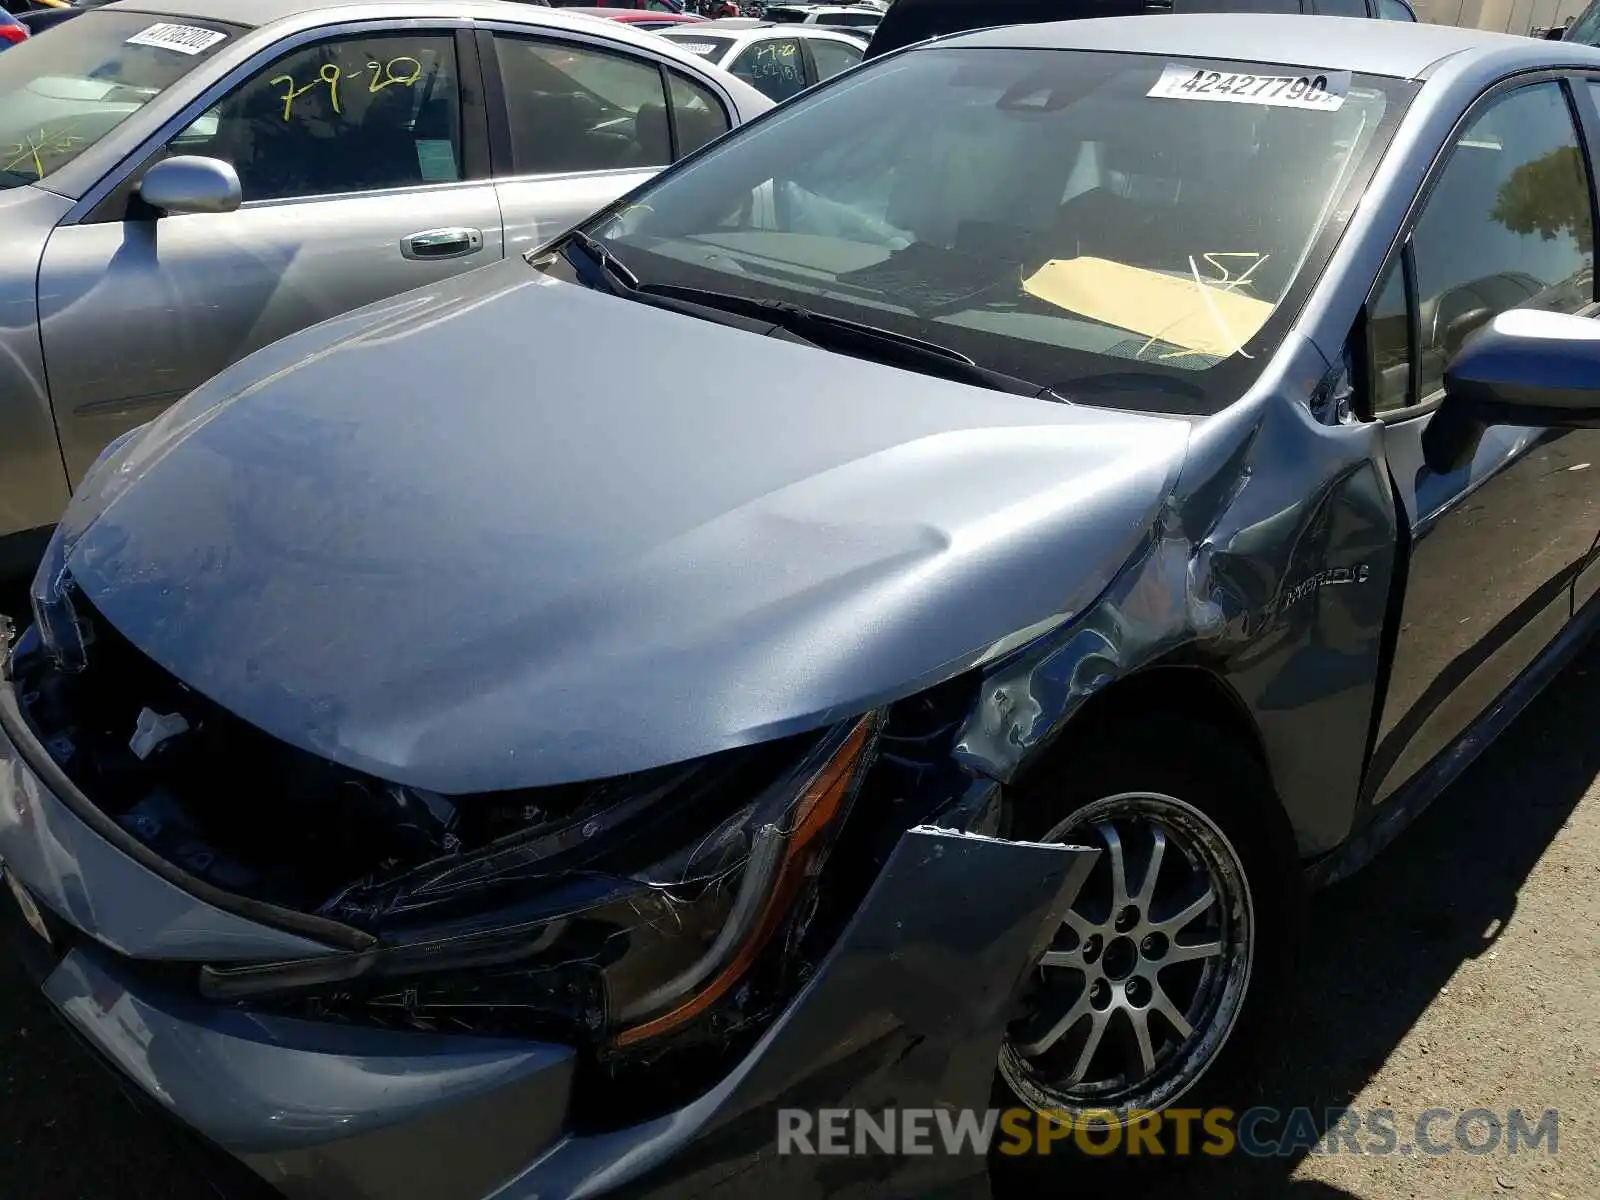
1458, 972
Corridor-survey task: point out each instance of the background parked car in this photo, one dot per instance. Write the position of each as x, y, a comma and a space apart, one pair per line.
909, 21
39, 15
672, 6
1585, 28
12, 31
147, 277
840, 16
778, 60
642, 18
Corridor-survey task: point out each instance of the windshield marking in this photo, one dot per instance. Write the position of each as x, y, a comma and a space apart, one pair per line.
37, 147
332, 75
1211, 306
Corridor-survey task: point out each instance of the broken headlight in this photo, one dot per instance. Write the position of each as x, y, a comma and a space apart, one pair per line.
634, 918
50, 595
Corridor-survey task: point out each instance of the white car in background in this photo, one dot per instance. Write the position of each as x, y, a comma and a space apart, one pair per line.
864, 17
778, 60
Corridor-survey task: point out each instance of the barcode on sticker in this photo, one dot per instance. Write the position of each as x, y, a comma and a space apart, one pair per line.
185, 39
1325, 90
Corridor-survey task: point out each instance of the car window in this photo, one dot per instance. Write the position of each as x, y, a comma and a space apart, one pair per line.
1506, 225
1389, 337
833, 57
773, 67
709, 48
575, 108
1105, 224
699, 115
60, 95
345, 115
1395, 10
1339, 8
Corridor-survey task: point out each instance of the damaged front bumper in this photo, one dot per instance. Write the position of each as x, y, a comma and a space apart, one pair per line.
906, 1009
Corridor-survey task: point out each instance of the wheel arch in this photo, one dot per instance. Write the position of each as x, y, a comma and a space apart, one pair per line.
1163, 691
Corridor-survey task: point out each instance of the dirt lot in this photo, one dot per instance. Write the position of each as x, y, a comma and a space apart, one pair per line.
1461, 971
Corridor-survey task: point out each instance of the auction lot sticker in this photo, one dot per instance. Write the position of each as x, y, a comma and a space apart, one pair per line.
1325, 90
185, 39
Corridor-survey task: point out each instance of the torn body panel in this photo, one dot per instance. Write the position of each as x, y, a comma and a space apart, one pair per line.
908, 1011
1269, 567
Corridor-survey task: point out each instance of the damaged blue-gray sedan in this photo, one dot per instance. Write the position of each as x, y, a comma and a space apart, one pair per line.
894, 612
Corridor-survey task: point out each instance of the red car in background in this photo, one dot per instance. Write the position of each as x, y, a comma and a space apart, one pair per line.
12, 30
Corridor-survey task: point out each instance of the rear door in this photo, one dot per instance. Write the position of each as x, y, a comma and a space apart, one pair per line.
577, 122
364, 172
1496, 543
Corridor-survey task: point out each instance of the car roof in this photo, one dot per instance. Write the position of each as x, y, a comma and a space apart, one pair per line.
255, 13
756, 25
1396, 48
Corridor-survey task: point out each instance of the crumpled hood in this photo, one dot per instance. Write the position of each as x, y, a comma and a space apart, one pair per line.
510, 532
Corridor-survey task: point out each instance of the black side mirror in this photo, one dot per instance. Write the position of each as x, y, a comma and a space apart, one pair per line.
1525, 367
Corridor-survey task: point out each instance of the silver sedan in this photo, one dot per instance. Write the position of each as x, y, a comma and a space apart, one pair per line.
179, 188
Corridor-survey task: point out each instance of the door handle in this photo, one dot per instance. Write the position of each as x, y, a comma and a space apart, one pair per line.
433, 244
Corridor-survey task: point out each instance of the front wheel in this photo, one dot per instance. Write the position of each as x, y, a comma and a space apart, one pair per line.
1173, 957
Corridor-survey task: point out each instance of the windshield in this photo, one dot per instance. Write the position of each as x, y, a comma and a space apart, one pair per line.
61, 93
697, 43
1130, 231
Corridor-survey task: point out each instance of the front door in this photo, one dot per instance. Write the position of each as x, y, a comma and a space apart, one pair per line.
354, 156
582, 124
1497, 542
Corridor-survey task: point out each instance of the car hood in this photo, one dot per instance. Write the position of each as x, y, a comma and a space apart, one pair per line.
462, 541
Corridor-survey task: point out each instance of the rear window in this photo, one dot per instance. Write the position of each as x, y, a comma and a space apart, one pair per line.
61, 94
710, 48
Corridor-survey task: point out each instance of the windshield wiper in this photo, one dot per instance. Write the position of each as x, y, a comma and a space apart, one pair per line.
856, 338
822, 330
616, 272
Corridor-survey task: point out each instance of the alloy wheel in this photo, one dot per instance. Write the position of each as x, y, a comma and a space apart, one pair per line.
1144, 980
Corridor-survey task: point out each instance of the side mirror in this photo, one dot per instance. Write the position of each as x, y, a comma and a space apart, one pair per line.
1524, 367
188, 183
1555, 33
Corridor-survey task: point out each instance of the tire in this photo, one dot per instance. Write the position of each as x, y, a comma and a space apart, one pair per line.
1152, 952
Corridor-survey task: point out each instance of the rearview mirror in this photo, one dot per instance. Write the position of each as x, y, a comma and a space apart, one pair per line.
1524, 367
188, 183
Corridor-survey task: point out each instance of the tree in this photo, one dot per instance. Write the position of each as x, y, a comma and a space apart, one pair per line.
1548, 196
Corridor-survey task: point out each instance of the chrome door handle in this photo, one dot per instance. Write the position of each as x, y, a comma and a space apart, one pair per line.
441, 243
